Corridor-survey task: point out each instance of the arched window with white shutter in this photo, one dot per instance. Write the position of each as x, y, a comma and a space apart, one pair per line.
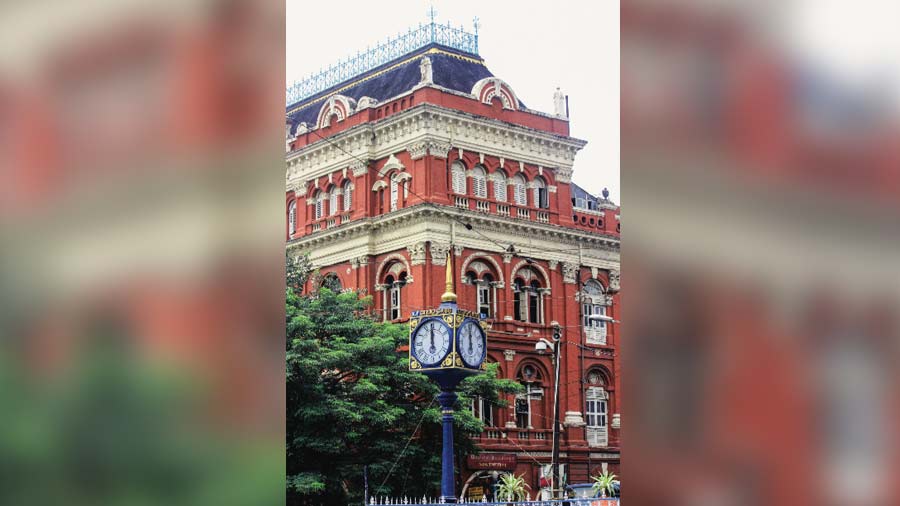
540, 193
292, 217
348, 196
319, 198
458, 178
332, 200
500, 187
395, 194
519, 190
596, 409
479, 182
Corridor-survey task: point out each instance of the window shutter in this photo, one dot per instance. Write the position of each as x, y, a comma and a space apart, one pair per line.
500, 189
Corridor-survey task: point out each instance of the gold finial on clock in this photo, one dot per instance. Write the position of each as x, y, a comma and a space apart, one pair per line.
450, 294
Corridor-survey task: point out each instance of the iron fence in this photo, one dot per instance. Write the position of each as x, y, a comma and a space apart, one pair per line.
429, 501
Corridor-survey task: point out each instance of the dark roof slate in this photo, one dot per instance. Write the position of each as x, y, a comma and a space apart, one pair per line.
448, 71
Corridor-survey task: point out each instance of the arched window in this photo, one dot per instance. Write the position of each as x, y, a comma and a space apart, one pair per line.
458, 178
348, 196
541, 199
292, 217
332, 282
527, 297
528, 403
593, 302
479, 182
480, 275
500, 187
596, 409
332, 200
319, 197
394, 281
395, 194
519, 191
483, 409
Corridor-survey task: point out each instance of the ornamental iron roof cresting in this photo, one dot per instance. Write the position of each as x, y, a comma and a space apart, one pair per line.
395, 47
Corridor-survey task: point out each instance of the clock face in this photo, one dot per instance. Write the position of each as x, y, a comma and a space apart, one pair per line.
431, 342
471, 343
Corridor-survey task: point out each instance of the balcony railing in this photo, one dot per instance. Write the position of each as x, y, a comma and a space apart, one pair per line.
503, 209
345, 218
316, 227
523, 213
331, 222
543, 216
462, 202
482, 206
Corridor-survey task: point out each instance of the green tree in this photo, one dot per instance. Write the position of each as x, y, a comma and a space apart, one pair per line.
352, 402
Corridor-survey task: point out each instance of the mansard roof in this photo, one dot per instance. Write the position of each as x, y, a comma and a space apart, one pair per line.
452, 69
580, 193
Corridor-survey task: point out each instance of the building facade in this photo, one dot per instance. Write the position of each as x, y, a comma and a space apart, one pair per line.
415, 149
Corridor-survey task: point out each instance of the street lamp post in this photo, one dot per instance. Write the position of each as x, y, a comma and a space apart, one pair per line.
554, 459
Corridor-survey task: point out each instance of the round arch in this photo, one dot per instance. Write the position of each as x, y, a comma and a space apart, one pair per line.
482, 255
393, 257
533, 265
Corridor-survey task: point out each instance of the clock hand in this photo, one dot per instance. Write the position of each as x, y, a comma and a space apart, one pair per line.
470, 342
433, 349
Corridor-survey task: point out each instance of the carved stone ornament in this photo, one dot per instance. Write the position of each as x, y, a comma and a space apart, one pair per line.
439, 149
569, 272
509, 355
439, 253
416, 253
574, 419
564, 175
616, 421
553, 264
425, 70
614, 280
507, 258
359, 168
457, 250
417, 150
366, 103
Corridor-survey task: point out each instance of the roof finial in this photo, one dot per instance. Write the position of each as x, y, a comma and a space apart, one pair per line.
450, 294
432, 12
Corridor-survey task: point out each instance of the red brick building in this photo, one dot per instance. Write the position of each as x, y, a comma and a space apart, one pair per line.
414, 149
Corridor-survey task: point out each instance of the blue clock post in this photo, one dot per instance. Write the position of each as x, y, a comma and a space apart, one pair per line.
447, 344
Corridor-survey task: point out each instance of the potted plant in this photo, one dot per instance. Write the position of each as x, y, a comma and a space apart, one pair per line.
512, 488
605, 484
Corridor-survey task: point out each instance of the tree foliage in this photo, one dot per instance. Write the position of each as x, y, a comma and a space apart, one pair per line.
352, 402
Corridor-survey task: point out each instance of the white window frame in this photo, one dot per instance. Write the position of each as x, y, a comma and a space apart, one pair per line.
520, 192
596, 413
458, 178
481, 409
593, 302
320, 200
394, 310
292, 217
500, 184
532, 393
394, 193
348, 196
479, 182
541, 197
485, 297
333, 202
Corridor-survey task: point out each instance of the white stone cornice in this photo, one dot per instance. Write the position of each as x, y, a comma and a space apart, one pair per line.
358, 168
401, 229
435, 126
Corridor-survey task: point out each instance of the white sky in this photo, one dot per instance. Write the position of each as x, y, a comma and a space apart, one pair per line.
534, 46
538, 45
